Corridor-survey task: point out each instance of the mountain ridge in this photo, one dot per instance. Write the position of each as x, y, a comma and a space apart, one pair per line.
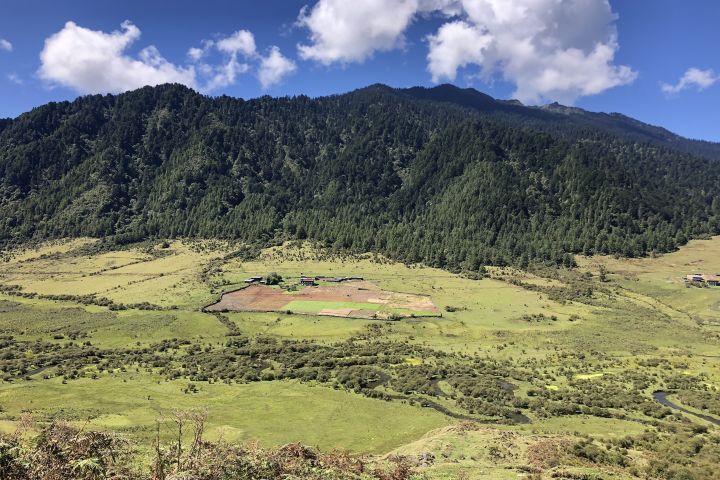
472, 98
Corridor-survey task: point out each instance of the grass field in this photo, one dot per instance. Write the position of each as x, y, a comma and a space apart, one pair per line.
271, 413
549, 334
483, 307
35, 318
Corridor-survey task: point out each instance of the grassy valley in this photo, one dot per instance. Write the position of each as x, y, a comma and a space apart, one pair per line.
336, 279
546, 372
522, 309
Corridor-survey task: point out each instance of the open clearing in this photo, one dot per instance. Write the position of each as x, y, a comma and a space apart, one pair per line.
351, 299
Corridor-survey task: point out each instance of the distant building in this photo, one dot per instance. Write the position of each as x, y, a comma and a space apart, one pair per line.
307, 281
253, 279
710, 280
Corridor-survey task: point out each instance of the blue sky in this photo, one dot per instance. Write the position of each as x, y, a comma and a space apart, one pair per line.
656, 61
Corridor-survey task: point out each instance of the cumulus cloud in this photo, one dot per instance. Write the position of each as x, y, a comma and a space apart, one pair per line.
5, 45
223, 75
693, 77
274, 68
91, 61
550, 49
350, 31
241, 41
455, 45
196, 53
567, 74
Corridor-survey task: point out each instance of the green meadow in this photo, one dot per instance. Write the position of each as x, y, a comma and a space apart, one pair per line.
115, 338
270, 412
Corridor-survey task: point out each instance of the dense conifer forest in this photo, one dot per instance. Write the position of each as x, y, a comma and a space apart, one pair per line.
443, 176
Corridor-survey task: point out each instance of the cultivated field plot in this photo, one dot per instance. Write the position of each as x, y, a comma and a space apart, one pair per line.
353, 299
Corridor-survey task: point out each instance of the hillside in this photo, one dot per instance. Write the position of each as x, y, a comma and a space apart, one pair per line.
448, 177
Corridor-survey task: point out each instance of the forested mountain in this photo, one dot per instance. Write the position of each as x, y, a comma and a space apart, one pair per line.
569, 122
446, 176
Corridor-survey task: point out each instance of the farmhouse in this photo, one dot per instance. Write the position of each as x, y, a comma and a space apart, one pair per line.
710, 280
695, 277
253, 280
307, 281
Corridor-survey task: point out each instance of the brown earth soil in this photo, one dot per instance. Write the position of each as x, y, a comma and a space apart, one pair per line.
261, 298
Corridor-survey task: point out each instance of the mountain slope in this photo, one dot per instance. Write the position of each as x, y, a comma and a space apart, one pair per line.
559, 119
400, 172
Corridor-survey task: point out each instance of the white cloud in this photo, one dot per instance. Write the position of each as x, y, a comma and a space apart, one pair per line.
351, 30
567, 74
241, 41
225, 74
5, 45
550, 49
15, 78
91, 61
274, 68
455, 45
700, 79
196, 53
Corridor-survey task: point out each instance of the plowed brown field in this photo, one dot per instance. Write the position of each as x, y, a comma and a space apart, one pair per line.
261, 298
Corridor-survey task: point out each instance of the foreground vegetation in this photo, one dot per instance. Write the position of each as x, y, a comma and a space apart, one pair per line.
545, 372
62, 452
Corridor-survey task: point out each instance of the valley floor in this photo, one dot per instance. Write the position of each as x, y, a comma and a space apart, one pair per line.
548, 372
